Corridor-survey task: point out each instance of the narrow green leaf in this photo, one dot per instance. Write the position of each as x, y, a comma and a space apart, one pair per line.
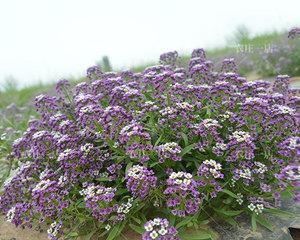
253, 221
262, 221
158, 140
113, 233
196, 235
230, 213
279, 212
187, 149
138, 221
137, 229
229, 193
185, 139
184, 222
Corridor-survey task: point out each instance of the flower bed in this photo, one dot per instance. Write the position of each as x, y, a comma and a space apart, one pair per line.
157, 151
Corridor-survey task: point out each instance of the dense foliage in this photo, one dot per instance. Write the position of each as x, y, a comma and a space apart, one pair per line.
163, 148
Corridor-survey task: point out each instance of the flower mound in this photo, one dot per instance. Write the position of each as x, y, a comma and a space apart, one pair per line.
170, 142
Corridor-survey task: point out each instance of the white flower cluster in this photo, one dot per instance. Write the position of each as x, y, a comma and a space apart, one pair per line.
44, 173
92, 190
157, 228
3, 136
220, 83
10, 214
214, 167
168, 111
39, 97
62, 180
255, 100
225, 116
181, 178
42, 185
126, 90
261, 168
136, 172
151, 105
17, 141
86, 148
171, 147
285, 109
130, 129
245, 173
256, 208
220, 146
125, 207
81, 97
239, 198
185, 106
232, 182
293, 143
107, 227
211, 123
240, 136
56, 116
87, 109
64, 154
293, 174
64, 123
53, 229
38, 134
16, 172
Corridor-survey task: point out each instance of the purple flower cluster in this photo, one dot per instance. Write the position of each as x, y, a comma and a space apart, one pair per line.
183, 196
168, 136
140, 181
170, 150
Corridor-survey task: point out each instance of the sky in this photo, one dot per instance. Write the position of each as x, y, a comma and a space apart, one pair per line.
45, 40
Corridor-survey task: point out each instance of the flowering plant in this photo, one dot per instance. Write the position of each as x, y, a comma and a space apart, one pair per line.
175, 145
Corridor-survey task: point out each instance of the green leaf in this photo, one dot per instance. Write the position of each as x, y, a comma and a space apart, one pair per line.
71, 235
185, 139
172, 220
137, 229
197, 235
253, 221
279, 212
184, 222
187, 149
137, 220
262, 221
230, 220
102, 179
129, 165
154, 164
158, 140
229, 213
229, 193
113, 233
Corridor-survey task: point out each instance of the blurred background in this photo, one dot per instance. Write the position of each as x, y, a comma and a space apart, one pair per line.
42, 40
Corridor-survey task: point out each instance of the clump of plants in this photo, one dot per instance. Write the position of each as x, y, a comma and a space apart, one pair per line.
158, 152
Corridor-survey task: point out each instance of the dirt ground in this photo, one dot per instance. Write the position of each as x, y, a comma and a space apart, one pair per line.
9, 232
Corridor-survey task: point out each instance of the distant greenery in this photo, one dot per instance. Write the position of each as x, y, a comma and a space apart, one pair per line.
284, 59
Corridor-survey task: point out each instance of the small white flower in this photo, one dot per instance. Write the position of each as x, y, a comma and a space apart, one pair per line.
107, 227
162, 231
251, 206
149, 228
154, 234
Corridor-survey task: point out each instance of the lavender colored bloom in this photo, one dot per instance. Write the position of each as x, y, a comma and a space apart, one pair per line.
140, 181
182, 194
169, 150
